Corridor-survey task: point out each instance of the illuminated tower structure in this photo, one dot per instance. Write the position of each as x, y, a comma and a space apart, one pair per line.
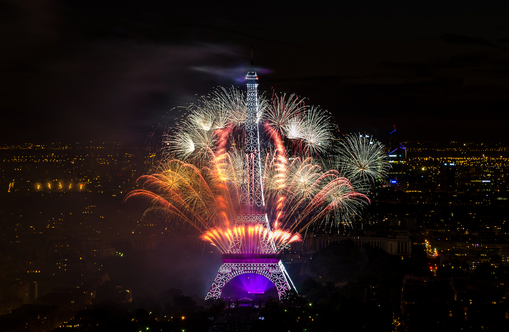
266, 262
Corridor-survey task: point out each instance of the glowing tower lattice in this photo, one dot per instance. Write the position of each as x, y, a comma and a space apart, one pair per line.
266, 262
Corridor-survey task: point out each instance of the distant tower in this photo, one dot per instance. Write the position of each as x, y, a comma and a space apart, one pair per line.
266, 262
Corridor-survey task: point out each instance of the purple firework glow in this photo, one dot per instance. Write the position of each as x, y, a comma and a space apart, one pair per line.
249, 285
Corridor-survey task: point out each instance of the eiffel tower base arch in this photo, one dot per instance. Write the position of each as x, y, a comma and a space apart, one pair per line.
269, 267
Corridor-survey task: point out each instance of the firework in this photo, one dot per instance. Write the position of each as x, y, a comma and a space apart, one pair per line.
195, 136
254, 239
314, 129
193, 142
362, 160
309, 128
309, 194
282, 111
200, 184
182, 191
225, 105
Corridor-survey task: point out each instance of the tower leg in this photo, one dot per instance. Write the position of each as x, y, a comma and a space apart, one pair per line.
275, 272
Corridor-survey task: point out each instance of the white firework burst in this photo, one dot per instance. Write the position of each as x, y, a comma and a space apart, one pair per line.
283, 110
315, 131
191, 143
228, 105
300, 186
362, 160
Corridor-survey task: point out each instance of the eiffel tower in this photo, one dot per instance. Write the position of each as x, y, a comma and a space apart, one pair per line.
267, 262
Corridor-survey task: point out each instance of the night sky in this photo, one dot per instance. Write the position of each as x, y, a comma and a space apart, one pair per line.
107, 70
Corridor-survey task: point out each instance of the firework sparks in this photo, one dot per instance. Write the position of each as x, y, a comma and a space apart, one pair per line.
181, 190
200, 185
362, 160
315, 131
193, 142
282, 111
254, 239
310, 193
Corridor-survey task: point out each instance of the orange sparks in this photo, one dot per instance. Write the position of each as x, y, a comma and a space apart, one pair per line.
249, 239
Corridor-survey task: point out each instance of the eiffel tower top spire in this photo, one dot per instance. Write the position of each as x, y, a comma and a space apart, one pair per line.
252, 199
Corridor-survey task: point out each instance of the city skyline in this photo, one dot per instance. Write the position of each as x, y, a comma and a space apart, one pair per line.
442, 222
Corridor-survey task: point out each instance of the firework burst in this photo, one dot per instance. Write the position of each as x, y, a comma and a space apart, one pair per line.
200, 184
362, 159
282, 111
254, 239
181, 191
314, 130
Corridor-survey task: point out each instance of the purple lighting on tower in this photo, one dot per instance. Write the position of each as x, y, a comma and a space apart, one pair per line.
249, 285
255, 283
